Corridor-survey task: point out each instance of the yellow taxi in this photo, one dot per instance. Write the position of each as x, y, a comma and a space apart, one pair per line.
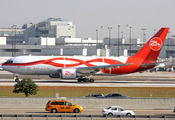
62, 106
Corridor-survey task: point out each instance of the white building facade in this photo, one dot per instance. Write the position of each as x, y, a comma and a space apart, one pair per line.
52, 28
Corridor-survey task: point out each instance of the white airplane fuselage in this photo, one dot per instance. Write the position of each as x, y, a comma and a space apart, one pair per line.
45, 65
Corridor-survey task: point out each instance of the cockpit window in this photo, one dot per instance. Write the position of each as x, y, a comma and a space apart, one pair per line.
9, 61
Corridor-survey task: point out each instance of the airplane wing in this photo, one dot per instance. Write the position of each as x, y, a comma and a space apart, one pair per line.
95, 69
145, 65
155, 63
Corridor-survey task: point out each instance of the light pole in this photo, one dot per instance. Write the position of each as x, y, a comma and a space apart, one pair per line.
96, 38
46, 36
144, 35
130, 42
109, 40
12, 40
126, 31
13, 49
118, 38
122, 39
168, 44
101, 32
15, 40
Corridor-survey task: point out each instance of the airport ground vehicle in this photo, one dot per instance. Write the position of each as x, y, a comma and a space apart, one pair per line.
62, 106
116, 110
94, 95
114, 95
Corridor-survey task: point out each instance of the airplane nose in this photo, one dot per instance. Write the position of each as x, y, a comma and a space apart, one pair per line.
3, 66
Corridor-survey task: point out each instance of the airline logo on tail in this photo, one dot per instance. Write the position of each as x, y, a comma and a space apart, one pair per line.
156, 43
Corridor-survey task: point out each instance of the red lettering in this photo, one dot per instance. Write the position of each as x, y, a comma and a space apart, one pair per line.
68, 73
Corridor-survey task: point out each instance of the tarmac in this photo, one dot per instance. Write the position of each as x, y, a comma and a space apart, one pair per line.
145, 79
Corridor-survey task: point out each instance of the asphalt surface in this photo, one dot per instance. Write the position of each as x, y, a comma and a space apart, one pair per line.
146, 79
85, 112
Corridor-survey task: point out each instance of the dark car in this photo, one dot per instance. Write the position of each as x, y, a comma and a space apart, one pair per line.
114, 95
94, 95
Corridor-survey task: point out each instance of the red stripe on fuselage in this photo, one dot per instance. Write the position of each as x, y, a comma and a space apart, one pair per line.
79, 62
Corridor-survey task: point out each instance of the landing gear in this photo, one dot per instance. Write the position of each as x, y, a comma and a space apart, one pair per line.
85, 80
16, 77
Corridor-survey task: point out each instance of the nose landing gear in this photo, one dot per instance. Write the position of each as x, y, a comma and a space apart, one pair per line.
16, 77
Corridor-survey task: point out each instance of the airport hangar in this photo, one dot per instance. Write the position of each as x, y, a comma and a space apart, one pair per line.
55, 36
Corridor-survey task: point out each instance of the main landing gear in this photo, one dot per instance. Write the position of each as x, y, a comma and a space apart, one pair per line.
85, 80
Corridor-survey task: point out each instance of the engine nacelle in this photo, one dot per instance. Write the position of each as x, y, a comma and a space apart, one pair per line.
68, 73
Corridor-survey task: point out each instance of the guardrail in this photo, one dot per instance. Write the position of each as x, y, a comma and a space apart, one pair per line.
106, 117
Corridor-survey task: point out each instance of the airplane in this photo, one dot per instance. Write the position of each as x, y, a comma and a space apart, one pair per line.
82, 68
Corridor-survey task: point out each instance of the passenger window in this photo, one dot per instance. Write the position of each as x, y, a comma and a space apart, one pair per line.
110, 95
61, 103
54, 103
114, 108
48, 102
68, 103
120, 109
117, 95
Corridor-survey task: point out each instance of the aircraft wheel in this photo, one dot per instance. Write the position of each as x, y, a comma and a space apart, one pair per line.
16, 79
91, 80
86, 80
79, 80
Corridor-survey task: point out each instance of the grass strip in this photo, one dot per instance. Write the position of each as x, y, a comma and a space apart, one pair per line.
71, 91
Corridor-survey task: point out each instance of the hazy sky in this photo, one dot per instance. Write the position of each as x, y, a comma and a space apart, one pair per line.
89, 15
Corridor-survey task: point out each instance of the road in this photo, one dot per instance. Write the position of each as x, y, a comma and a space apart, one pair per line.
85, 112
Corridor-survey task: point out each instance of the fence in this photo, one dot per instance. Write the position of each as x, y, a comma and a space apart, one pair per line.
83, 117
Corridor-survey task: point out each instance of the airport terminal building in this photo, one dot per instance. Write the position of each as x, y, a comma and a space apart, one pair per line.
55, 36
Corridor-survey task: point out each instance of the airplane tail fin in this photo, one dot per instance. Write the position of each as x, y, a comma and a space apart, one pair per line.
152, 48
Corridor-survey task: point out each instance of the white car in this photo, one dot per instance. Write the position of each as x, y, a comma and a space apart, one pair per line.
116, 110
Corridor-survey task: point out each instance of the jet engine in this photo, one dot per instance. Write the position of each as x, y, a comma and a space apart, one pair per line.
66, 74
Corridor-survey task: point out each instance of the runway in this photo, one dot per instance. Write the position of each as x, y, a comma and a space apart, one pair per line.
146, 79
